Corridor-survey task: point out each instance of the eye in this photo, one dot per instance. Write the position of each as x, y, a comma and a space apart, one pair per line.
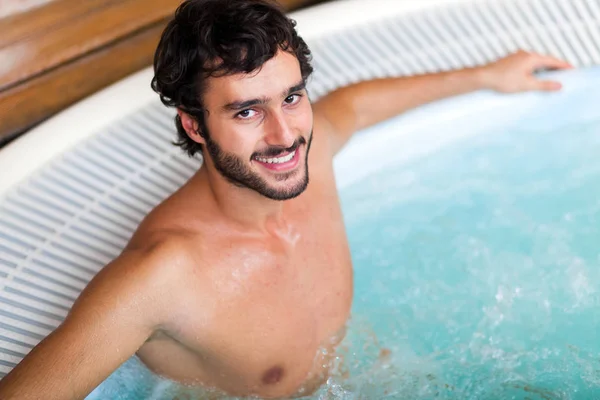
246, 114
292, 99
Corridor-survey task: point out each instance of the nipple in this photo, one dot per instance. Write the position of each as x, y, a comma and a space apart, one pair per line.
273, 376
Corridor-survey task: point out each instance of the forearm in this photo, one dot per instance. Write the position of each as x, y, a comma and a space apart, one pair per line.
363, 104
53, 370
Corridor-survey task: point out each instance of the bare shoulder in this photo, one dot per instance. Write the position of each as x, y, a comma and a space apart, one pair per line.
158, 261
323, 127
139, 280
321, 149
335, 115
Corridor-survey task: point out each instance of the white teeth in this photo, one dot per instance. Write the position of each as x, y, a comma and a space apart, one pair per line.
277, 160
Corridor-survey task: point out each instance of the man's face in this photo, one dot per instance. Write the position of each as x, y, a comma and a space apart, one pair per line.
259, 128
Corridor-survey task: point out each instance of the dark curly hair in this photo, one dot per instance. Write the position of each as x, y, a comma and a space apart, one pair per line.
211, 38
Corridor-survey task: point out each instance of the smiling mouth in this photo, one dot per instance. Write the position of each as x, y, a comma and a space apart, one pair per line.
277, 160
280, 160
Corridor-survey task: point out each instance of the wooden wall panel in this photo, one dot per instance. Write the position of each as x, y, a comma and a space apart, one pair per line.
83, 34
46, 94
42, 19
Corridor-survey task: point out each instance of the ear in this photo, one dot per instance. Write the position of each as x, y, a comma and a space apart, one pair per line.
191, 127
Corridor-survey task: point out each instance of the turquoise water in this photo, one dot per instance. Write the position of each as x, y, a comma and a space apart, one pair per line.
476, 267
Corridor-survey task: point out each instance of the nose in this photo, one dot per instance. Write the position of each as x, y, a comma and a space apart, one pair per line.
278, 131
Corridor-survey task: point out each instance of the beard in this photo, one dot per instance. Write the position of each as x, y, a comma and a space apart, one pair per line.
239, 173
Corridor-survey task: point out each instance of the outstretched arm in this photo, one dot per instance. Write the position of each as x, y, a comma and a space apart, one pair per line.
355, 107
111, 319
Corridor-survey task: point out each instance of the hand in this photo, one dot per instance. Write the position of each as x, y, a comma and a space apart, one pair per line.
515, 73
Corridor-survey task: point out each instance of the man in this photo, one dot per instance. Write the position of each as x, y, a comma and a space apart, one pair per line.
241, 278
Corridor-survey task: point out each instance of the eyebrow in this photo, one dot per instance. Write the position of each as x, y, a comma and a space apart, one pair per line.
242, 104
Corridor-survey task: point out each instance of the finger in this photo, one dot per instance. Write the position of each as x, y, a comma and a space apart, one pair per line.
549, 62
545, 86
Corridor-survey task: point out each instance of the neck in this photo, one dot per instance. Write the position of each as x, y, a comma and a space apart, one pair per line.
242, 206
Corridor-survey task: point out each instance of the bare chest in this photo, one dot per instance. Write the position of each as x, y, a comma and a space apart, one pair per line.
293, 312
265, 318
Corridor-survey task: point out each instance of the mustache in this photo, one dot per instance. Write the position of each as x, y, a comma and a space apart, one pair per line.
276, 150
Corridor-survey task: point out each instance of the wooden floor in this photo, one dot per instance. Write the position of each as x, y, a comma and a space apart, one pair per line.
62, 51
